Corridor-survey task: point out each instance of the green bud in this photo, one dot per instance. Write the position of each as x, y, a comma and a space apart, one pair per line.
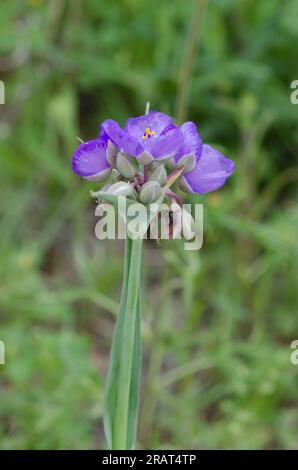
120, 189
183, 222
115, 174
105, 187
111, 153
188, 161
183, 186
94, 194
150, 192
188, 225
124, 166
159, 175
145, 158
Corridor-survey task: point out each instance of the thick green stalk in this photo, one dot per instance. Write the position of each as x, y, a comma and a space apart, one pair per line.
111, 389
122, 411
121, 397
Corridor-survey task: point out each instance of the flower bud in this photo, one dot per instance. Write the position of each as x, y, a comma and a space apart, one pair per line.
150, 192
124, 166
115, 174
188, 225
120, 189
105, 187
111, 153
159, 175
182, 184
188, 161
145, 158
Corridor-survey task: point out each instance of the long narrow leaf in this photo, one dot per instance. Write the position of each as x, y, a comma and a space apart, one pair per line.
121, 398
135, 379
113, 372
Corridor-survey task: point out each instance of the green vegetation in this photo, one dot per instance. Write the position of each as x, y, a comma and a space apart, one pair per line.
216, 324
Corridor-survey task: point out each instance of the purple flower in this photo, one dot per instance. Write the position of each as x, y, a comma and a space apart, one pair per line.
153, 136
210, 170
90, 159
192, 142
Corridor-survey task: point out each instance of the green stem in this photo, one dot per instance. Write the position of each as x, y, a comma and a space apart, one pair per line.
111, 389
122, 420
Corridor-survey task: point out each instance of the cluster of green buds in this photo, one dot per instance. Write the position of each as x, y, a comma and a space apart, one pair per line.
150, 184
146, 184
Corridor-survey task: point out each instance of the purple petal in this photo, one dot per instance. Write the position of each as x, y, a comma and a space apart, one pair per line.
166, 145
155, 120
192, 142
210, 173
89, 160
121, 138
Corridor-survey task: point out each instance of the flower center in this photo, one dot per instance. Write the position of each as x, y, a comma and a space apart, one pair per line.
148, 133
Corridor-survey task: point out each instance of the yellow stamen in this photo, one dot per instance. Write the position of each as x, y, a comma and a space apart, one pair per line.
148, 133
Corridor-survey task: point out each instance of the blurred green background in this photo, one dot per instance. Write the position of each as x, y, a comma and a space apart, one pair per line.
218, 323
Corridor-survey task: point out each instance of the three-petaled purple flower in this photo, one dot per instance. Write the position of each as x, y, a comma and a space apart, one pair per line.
154, 137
